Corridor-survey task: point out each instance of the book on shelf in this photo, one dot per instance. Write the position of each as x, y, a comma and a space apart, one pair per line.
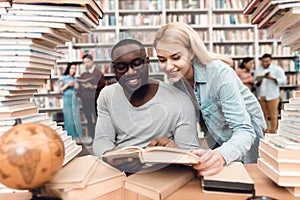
17, 92
294, 191
157, 184
281, 165
35, 118
72, 149
290, 37
265, 7
47, 39
279, 153
54, 16
7, 98
291, 107
291, 113
75, 174
14, 107
233, 178
289, 179
27, 58
90, 4
18, 112
51, 32
28, 52
286, 22
156, 154
251, 7
282, 141
19, 81
103, 180
55, 7
27, 64
276, 13
24, 75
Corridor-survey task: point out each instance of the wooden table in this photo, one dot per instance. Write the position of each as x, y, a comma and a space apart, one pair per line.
263, 186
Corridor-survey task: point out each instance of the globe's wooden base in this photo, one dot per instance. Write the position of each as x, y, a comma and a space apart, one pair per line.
40, 194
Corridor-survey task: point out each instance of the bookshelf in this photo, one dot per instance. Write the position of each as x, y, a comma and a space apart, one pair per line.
220, 23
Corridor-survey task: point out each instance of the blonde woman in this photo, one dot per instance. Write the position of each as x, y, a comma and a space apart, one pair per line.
230, 114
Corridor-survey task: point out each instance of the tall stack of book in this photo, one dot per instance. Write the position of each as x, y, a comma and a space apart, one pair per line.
28, 53
280, 17
280, 153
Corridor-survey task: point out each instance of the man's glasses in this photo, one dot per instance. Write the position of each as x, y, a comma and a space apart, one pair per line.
122, 67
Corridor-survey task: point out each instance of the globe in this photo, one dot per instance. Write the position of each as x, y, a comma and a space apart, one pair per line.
30, 155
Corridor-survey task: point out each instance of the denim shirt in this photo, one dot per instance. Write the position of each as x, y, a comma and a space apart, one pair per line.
231, 112
272, 88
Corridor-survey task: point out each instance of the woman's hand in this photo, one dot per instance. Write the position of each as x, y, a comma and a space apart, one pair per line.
211, 162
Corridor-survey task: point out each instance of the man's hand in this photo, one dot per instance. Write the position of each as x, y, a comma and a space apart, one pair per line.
126, 164
163, 141
211, 162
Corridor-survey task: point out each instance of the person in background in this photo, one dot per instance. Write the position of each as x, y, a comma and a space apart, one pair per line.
88, 83
140, 111
71, 109
229, 113
244, 71
268, 91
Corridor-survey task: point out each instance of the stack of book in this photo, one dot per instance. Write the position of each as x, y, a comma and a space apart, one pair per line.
280, 17
280, 153
87, 177
28, 52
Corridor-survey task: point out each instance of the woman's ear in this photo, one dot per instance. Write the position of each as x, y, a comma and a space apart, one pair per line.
191, 54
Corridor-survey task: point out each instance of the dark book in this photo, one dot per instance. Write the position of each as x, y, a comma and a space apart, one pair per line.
233, 178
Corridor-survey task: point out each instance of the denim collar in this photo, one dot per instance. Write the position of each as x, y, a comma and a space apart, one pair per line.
199, 73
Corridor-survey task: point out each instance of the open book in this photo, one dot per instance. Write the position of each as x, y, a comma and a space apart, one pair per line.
157, 154
261, 76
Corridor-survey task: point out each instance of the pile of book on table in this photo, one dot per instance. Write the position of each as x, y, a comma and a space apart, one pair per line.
30, 31
280, 153
279, 17
87, 177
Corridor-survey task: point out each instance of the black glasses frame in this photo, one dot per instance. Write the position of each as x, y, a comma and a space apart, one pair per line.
123, 67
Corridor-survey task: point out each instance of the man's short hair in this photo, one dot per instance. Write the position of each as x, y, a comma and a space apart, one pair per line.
266, 55
89, 56
127, 42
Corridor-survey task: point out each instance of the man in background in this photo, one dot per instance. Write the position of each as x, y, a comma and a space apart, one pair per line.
90, 84
268, 91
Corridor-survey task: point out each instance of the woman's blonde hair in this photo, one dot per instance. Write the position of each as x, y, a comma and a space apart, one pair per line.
186, 36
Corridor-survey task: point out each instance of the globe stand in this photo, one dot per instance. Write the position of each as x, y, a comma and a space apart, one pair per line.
40, 194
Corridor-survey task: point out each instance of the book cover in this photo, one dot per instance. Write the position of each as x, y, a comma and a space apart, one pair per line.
155, 154
290, 179
233, 178
18, 112
279, 153
281, 165
157, 184
76, 174
261, 76
104, 180
294, 191
91, 4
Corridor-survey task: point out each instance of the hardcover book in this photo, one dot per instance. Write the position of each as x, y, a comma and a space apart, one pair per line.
233, 178
157, 184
